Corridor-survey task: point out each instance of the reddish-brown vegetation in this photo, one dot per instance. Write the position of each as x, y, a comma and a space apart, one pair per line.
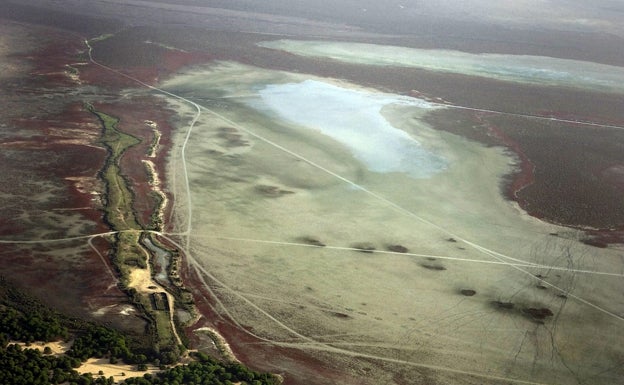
524, 176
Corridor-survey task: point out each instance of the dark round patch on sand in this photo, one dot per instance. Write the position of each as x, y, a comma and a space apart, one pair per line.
398, 248
468, 292
433, 266
338, 314
539, 313
314, 241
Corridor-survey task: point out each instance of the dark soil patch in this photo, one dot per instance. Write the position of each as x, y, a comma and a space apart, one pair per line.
596, 242
468, 292
271, 191
338, 315
538, 313
312, 241
431, 266
602, 238
398, 248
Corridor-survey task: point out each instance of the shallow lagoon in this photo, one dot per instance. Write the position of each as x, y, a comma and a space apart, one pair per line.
354, 118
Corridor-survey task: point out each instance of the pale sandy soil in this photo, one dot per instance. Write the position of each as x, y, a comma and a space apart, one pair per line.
141, 280
403, 310
58, 347
117, 371
157, 187
222, 343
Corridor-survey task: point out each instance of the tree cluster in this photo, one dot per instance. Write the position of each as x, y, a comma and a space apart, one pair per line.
30, 327
205, 371
29, 366
23, 318
98, 341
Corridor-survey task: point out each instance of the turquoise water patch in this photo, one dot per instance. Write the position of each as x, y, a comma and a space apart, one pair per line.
354, 118
539, 70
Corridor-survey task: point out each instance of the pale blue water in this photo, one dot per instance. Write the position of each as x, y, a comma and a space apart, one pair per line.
354, 119
540, 70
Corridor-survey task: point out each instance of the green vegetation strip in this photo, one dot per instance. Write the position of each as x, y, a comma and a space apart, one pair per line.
129, 253
119, 211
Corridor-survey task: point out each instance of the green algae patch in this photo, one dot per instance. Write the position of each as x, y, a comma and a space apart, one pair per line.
119, 213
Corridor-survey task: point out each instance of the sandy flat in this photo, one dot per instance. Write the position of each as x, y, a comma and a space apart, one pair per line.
117, 371
255, 208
